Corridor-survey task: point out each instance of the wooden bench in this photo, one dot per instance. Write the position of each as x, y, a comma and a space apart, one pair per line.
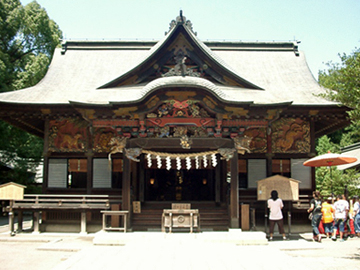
180, 216
114, 213
38, 203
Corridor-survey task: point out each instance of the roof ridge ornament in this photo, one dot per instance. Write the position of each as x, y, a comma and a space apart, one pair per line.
181, 20
180, 68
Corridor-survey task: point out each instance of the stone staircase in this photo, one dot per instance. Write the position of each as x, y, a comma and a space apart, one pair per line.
212, 217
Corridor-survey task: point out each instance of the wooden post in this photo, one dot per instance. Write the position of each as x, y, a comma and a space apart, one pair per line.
83, 223
36, 222
266, 216
234, 193
20, 221
142, 179
126, 200
46, 155
217, 183
289, 218
245, 213
11, 218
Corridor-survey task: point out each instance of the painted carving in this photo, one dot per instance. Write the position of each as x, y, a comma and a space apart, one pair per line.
180, 131
258, 143
185, 142
197, 131
180, 68
117, 144
164, 132
227, 153
242, 144
291, 136
133, 153
67, 135
176, 108
71, 142
164, 109
102, 138
235, 112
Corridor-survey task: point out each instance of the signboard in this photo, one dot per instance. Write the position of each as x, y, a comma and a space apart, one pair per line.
136, 207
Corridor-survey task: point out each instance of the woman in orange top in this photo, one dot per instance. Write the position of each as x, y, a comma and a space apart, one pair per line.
328, 211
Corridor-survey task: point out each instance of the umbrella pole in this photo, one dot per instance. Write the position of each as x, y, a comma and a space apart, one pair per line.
331, 183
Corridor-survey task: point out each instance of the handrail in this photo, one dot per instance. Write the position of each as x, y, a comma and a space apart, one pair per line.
38, 200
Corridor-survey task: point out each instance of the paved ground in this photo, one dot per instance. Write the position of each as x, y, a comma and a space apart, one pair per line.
179, 251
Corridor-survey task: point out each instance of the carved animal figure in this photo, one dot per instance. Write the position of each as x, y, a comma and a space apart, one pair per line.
293, 134
242, 144
71, 142
117, 145
104, 140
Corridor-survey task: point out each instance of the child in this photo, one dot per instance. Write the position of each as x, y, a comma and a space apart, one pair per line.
328, 211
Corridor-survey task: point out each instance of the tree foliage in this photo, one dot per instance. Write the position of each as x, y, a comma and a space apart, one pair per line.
342, 81
331, 180
28, 38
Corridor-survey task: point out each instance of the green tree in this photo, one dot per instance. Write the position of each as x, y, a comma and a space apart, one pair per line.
342, 81
28, 38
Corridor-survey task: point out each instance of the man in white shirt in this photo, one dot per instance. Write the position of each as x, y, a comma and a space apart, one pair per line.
341, 207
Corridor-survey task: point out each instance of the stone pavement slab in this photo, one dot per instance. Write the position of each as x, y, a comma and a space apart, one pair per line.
174, 251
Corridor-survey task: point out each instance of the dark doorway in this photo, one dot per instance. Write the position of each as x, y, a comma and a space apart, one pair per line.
180, 185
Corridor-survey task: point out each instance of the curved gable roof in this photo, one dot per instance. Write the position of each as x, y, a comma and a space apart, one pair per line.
169, 47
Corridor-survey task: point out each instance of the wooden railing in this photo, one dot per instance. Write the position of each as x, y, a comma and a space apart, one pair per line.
50, 202
58, 202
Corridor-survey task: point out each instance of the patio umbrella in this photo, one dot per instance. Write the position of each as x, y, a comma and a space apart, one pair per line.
328, 160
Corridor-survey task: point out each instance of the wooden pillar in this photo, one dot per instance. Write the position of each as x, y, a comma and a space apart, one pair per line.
20, 221
11, 217
234, 193
218, 182
89, 170
46, 156
36, 222
142, 179
245, 215
83, 223
312, 151
126, 196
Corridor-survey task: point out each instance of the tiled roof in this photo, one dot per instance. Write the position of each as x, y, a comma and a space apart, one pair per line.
77, 74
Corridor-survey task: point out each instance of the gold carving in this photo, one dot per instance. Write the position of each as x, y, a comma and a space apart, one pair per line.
67, 135
237, 111
152, 102
72, 142
313, 112
272, 113
86, 113
291, 135
117, 145
210, 102
180, 95
45, 111
124, 111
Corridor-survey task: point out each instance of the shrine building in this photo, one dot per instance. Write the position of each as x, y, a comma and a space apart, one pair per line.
175, 121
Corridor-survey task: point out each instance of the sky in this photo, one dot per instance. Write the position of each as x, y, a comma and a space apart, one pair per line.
324, 27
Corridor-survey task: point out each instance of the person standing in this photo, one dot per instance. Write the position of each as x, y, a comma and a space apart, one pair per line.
275, 204
341, 212
350, 221
327, 210
356, 214
315, 208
